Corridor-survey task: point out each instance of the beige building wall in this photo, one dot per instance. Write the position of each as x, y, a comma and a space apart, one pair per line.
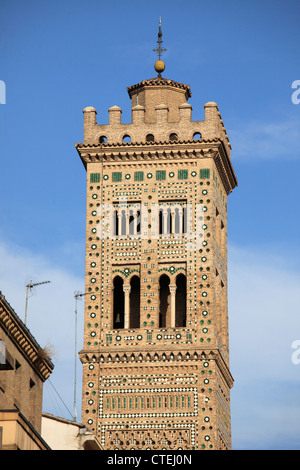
16, 433
62, 434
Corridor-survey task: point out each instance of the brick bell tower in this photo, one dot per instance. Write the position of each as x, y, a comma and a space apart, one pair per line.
155, 355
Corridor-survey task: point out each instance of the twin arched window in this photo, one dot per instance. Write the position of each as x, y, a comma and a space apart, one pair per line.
172, 302
126, 303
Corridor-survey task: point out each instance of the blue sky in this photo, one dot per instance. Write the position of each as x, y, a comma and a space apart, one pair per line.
57, 58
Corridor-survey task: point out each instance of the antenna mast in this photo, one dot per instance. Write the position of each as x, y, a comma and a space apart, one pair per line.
28, 289
77, 296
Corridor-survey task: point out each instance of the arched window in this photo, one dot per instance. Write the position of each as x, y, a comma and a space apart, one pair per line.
180, 309
149, 138
173, 137
172, 218
134, 315
118, 303
103, 139
126, 138
197, 136
164, 301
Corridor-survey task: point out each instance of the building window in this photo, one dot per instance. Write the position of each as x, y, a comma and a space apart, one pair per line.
173, 137
172, 302
134, 316
127, 222
197, 136
172, 218
150, 138
118, 303
126, 303
164, 301
180, 301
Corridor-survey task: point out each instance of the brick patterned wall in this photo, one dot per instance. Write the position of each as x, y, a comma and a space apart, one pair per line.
157, 386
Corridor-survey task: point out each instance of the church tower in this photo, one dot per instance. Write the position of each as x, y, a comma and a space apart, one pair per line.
155, 354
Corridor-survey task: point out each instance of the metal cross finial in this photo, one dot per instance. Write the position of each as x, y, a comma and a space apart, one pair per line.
159, 49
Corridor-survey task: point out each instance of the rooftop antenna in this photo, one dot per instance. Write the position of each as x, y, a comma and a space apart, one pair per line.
29, 288
77, 296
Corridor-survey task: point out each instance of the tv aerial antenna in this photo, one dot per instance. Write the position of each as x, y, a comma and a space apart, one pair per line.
29, 288
78, 295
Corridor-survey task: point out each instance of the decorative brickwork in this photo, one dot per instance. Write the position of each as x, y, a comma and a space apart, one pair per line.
155, 354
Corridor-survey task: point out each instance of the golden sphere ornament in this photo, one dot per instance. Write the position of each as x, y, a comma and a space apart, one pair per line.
159, 66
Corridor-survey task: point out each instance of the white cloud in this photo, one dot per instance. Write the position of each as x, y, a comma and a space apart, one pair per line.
267, 140
264, 302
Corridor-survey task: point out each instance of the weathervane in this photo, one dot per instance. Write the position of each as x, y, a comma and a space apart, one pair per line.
159, 64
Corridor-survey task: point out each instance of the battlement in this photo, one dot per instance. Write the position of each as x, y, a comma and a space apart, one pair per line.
159, 113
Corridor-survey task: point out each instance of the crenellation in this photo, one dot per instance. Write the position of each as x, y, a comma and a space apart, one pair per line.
161, 128
185, 113
115, 114
89, 124
138, 115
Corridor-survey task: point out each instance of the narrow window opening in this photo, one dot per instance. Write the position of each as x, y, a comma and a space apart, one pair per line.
118, 299
164, 298
181, 300
160, 222
134, 321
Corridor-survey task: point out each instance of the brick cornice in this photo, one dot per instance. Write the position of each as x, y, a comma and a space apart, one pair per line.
19, 334
161, 356
179, 151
